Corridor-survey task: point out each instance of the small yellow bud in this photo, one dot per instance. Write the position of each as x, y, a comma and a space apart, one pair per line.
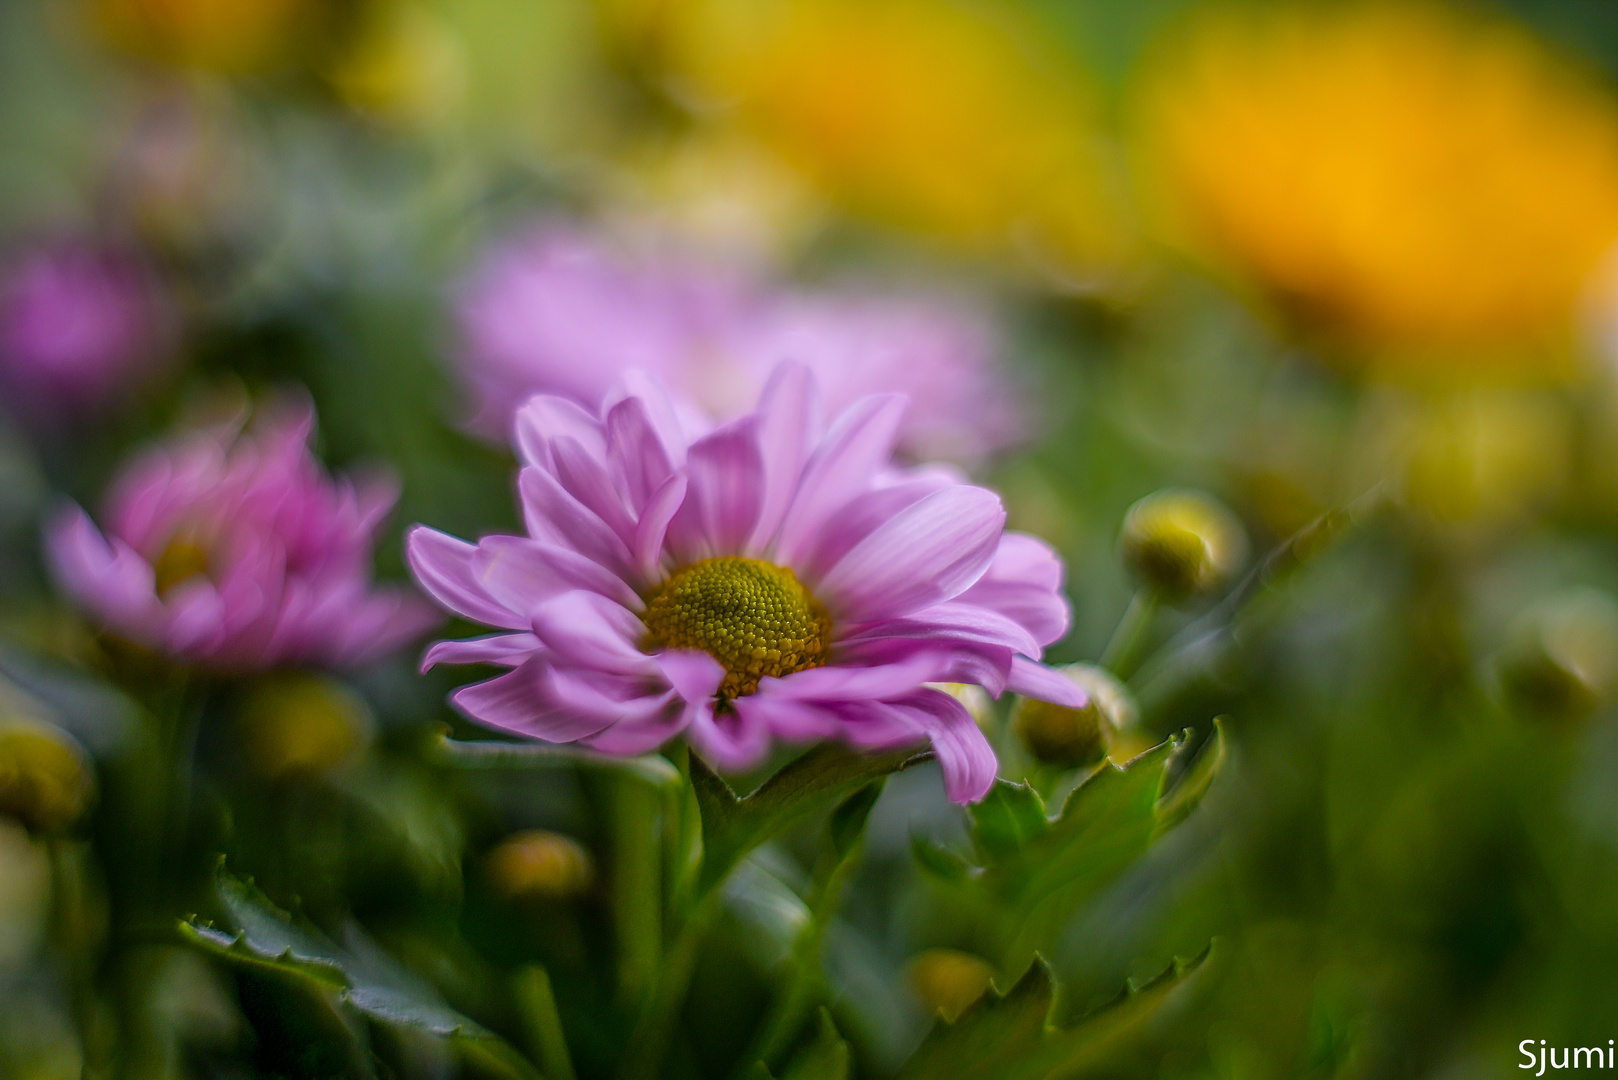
1562, 661
1182, 542
46, 780
1071, 737
948, 981
539, 865
298, 725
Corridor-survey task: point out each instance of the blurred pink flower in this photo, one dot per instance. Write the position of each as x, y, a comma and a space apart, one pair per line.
775, 578
234, 550
559, 313
81, 324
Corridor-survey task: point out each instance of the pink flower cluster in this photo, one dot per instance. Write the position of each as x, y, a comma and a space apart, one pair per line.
557, 312
81, 323
233, 550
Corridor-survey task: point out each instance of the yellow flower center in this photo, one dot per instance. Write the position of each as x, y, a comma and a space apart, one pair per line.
180, 561
755, 618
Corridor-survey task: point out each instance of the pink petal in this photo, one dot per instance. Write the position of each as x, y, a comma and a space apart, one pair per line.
1038, 681
521, 574
442, 565
652, 529
787, 411
555, 516
512, 702
694, 675
544, 418
950, 622
858, 447
963, 753
725, 493
108, 578
591, 631
636, 452
928, 553
501, 650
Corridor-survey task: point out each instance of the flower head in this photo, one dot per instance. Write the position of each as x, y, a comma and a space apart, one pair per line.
771, 579
234, 550
556, 312
1411, 183
80, 324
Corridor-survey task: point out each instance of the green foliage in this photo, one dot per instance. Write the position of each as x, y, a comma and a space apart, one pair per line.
1033, 872
268, 942
1014, 1037
827, 1058
732, 826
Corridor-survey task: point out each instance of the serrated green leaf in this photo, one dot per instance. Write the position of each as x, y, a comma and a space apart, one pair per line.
732, 826
267, 940
1186, 793
1008, 819
1011, 1037
826, 1058
1038, 872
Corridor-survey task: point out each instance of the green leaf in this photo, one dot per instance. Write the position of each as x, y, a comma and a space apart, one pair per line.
731, 826
1036, 873
826, 1058
940, 862
1012, 1037
847, 825
496, 754
267, 941
1008, 819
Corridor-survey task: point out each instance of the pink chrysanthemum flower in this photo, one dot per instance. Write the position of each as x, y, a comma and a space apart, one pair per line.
556, 312
772, 579
234, 550
81, 323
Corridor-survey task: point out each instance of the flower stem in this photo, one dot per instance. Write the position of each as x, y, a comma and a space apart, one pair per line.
637, 885
532, 988
645, 1055
75, 932
1123, 649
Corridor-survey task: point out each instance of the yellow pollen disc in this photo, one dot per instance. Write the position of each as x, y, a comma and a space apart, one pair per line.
755, 618
180, 561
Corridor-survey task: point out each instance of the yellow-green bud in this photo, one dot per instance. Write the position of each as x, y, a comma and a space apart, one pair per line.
1058, 735
948, 981
46, 780
1182, 542
298, 725
539, 865
1562, 660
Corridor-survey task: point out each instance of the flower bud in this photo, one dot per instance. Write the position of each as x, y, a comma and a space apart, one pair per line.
1058, 735
1562, 660
1182, 542
46, 780
299, 725
948, 981
539, 865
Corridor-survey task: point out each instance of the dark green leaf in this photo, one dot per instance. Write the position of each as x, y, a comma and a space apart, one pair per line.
942, 863
731, 826
847, 824
1008, 819
268, 941
826, 1058
1011, 1037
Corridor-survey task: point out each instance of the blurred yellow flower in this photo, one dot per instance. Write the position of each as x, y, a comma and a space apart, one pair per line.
404, 68
226, 36
949, 119
1412, 184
